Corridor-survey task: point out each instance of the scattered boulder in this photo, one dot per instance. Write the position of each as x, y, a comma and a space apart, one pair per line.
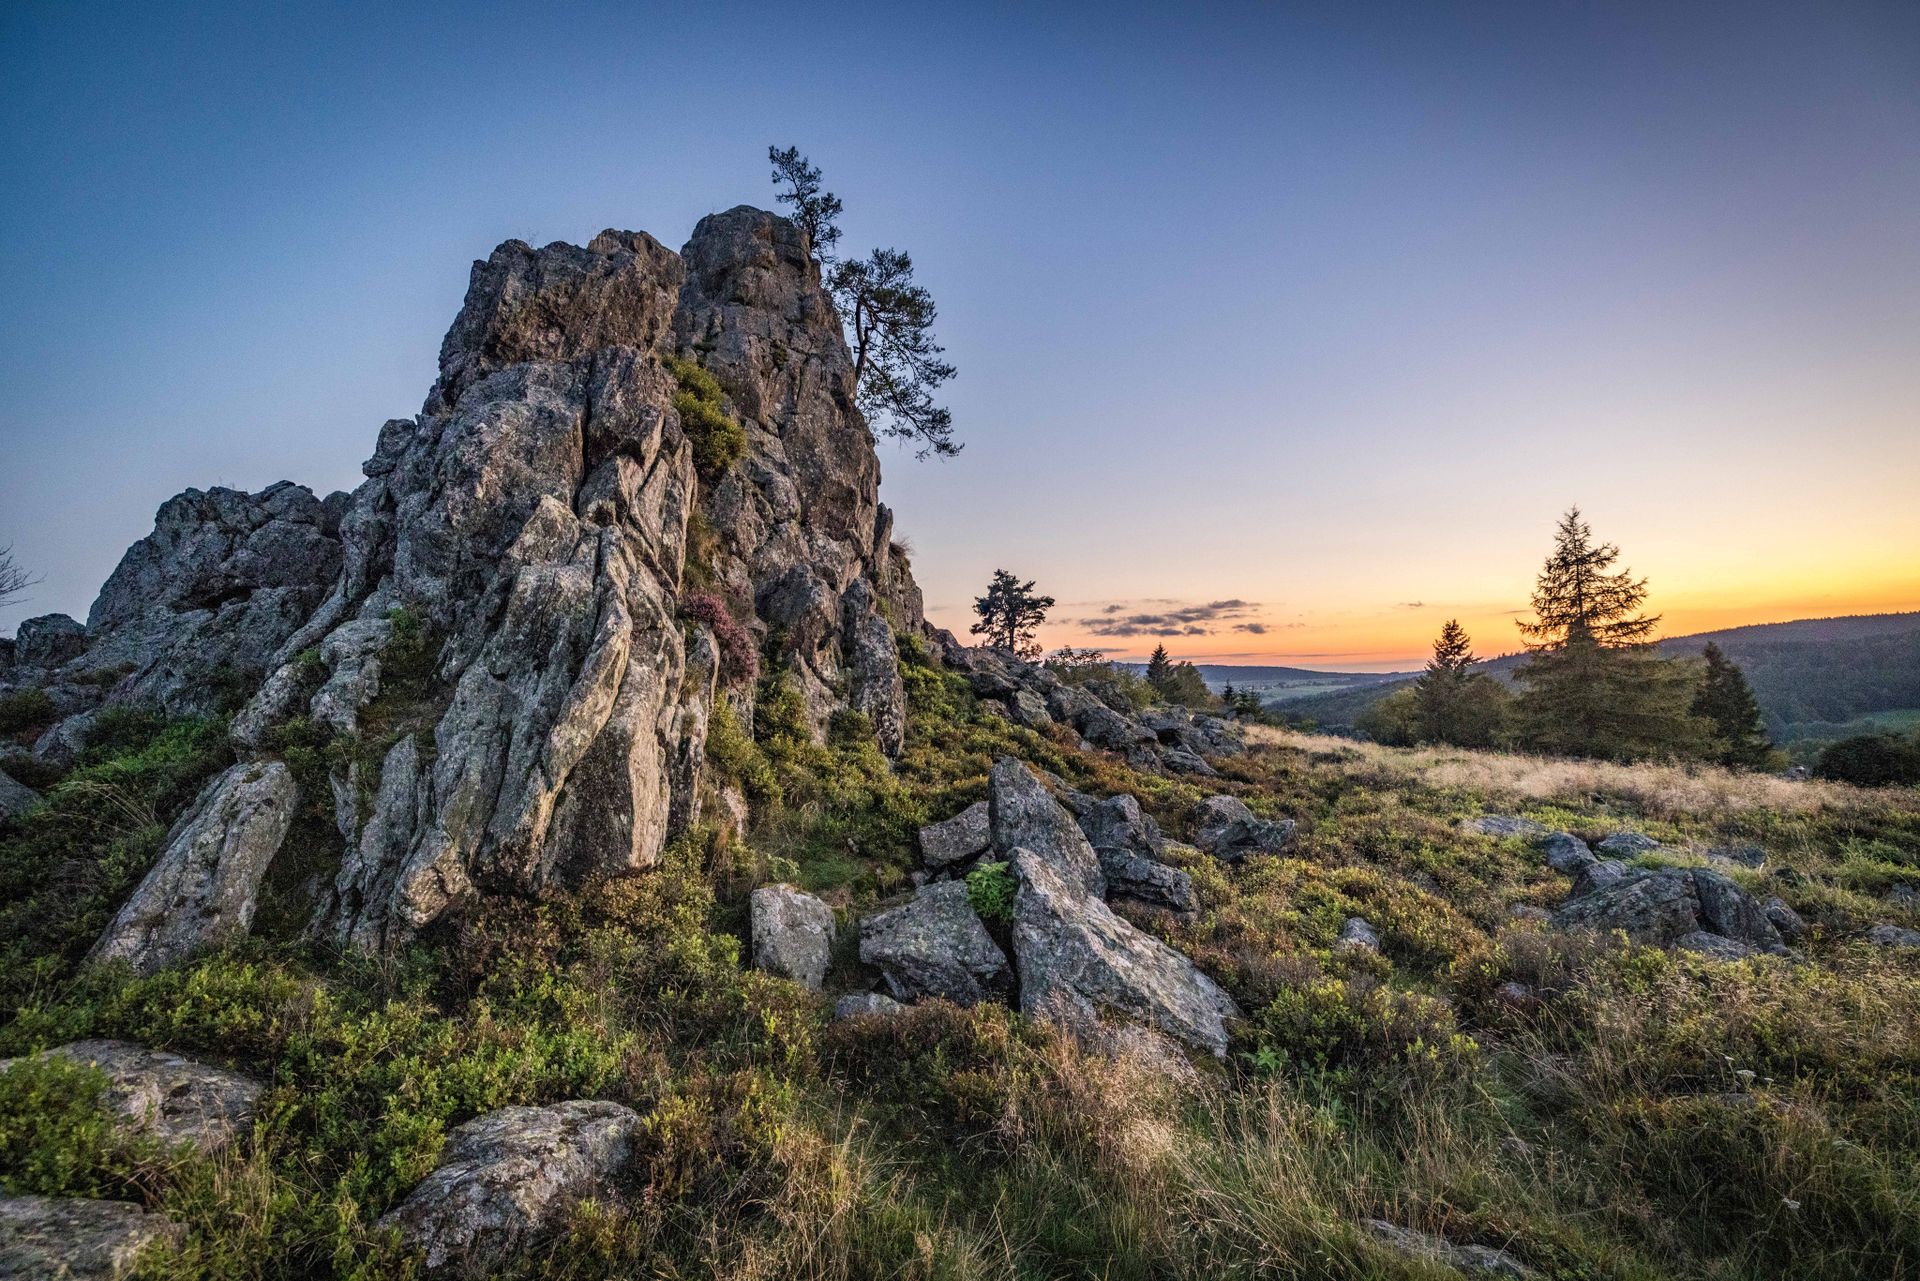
1528, 912
1078, 960
953, 841
1661, 907
1893, 936
510, 1174
792, 934
74, 1239
935, 945
1904, 895
1626, 845
1567, 853
1358, 936
15, 798
1503, 826
1474, 1260
856, 1005
1029, 709
1517, 996
1228, 830
1742, 855
1023, 815
168, 1097
1786, 922
204, 888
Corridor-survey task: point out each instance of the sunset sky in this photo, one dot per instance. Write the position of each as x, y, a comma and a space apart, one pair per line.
1285, 332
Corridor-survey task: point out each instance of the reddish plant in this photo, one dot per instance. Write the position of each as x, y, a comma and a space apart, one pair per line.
738, 654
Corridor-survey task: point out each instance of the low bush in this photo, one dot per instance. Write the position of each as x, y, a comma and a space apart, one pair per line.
718, 439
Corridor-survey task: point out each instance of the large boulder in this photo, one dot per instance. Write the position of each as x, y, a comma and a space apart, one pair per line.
1079, 962
204, 888
792, 934
1131, 849
1663, 907
1024, 815
168, 1097
509, 1175
48, 640
1228, 830
1567, 853
72, 1239
953, 841
935, 945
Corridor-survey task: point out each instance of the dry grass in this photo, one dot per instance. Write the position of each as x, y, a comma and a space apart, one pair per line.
1667, 792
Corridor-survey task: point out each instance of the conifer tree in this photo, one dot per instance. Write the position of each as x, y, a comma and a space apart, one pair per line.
1160, 669
1594, 687
1010, 614
1451, 702
1726, 700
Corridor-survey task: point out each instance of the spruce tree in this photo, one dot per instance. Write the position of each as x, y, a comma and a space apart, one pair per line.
1010, 614
1594, 686
1452, 703
1160, 670
1726, 700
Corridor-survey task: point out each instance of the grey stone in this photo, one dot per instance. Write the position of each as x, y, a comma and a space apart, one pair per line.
1503, 826
509, 1175
1029, 709
966, 835
935, 945
48, 640
1715, 945
1358, 936
1079, 962
15, 798
1661, 907
1743, 855
792, 934
1893, 936
1596, 876
64, 741
1474, 1260
1228, 830
1728, 910
72, 1239
856, 1005
1626, 845
1146, 880
1566, 852
205, 886
166, 1096
1024, 815
1786, 922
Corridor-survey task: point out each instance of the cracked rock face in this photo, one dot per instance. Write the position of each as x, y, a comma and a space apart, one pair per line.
204, 888
1078, 962
169, 1097
509, 1175
72, 1239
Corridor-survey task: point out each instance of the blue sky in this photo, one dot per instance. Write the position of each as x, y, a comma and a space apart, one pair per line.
1328, 309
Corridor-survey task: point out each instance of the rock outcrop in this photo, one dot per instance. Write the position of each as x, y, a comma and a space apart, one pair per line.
73, 1239
167, 1097
1131, 850
1024, 815
1228, 830
1665, 907
509, 1175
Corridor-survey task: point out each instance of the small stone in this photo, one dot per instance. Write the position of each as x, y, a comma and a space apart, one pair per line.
1893, 936
1503, 826
1784, 919
1228, 830
856, 1005
169, 1097
1597, 876
1474, 1260
1358, 936
792, 934
1716, 946
15, 798
1742, 855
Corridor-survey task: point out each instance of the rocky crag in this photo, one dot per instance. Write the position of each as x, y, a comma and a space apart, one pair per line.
637, 473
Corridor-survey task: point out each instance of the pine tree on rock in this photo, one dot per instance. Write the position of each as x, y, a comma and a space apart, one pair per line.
1594, 686
1010, 614
1726, 700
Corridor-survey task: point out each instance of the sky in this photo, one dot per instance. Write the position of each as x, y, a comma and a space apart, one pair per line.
1285, 332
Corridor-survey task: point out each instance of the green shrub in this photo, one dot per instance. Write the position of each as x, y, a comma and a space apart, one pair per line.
25, 710
1871, 760
718, 440
990, 889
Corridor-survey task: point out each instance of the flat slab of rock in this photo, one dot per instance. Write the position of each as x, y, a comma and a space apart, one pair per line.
1474, 1260
1503, 825
792, 934
952, 841
167, 1096
1077, 959
1229, 831
1893, 936
73, 1239
1625, 845
509, 1175
935, 945
204, 888
1024, 815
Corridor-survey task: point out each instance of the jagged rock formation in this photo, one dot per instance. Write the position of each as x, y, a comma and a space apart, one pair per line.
1687, 907
168, 1097
510, 627
510, 1174
73, 1239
